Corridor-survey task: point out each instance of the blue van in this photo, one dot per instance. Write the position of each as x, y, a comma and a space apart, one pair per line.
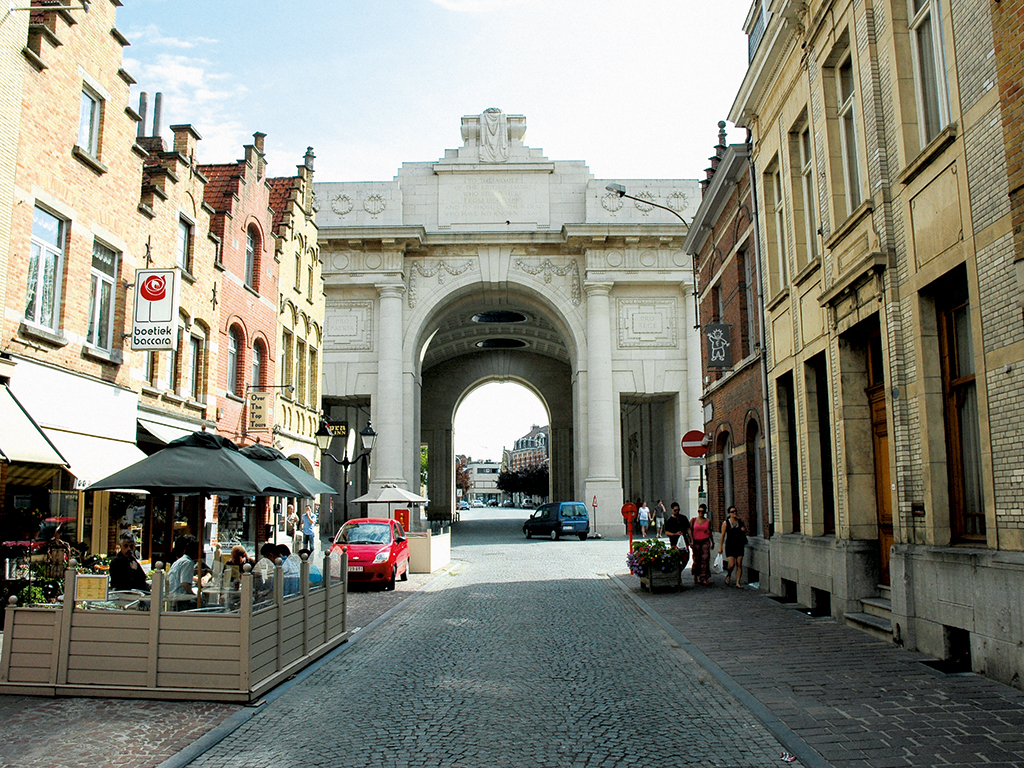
560, 518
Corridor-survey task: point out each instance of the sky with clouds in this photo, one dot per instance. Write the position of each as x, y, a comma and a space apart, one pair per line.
635, 89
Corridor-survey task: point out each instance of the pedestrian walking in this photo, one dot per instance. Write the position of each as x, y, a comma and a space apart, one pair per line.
703, 540
644, 514
676, 527
734, 539
659, 519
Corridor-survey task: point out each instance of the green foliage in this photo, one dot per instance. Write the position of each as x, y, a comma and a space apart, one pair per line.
423, 465
531, 481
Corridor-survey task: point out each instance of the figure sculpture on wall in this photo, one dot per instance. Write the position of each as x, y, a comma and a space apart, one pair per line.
493, 136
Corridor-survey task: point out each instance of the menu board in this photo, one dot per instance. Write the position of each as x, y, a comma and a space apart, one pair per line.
90, 587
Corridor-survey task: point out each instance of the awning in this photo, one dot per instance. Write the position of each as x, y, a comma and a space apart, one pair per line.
93, 458
21, 438
163, 432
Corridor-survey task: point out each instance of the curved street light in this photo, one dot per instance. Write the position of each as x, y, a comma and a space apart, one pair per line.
620, 190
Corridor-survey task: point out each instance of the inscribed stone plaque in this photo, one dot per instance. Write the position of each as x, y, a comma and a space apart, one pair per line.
935, 213
647, 323
348, 325
493, 198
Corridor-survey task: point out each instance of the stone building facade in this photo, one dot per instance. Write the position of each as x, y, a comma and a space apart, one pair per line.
896, 337
722, 240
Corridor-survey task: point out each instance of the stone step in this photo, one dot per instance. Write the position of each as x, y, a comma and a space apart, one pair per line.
880, 607
884, 590
872, 625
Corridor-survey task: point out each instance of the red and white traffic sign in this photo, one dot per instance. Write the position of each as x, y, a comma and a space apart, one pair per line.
693, 444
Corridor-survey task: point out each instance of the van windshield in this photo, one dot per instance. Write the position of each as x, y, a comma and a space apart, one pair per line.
574, 510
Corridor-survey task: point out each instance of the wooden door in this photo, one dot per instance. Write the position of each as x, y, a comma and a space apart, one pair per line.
883, 495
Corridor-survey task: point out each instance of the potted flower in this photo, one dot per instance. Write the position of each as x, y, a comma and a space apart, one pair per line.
657, 564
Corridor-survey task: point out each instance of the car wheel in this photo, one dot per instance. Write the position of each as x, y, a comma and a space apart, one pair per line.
554, 535
391, 582
405, 573
583, 537
528, 532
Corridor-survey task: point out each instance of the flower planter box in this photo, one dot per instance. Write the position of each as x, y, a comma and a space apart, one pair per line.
655, 580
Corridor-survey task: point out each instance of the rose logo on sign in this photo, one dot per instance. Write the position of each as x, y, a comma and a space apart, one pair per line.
154, 288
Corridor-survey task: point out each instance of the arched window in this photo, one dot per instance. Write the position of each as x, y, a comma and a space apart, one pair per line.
252, 244
257, 364
234, 384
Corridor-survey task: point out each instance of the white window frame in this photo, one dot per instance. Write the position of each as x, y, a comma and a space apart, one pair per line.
805, 191
183, 247
777, 229
45, 271
848, 139
102, 299
197, 349
257, 364
251, 245
928, 55
235, 344
89, 111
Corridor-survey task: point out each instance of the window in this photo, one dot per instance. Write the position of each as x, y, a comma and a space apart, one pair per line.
960, 401
197, 389
845, 92
89, 123
101, 297
805, 196
300, 371
287, 369
251, 245
174, 362
750, 298
929, 67
151, 368
778, 263
257, 364
184, 250
314, 392
45, 267
309, 282
298, 271
234, 370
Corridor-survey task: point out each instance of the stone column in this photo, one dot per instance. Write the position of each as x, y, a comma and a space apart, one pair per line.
388, 411
602, 413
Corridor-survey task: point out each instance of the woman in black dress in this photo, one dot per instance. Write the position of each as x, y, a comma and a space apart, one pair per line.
734, 539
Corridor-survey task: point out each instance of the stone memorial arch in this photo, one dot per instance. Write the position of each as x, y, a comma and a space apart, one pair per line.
497, 264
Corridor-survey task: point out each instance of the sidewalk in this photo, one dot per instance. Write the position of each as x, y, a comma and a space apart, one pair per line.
854, 701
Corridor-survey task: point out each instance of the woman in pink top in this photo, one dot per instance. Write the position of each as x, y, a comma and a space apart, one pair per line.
703, 541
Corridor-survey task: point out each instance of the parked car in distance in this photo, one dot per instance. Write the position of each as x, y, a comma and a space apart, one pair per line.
557, 519
477, 504
378, 552
492, 503
509, 504
463, 505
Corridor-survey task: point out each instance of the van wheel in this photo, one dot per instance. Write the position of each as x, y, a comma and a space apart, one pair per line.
583, 537
554, 535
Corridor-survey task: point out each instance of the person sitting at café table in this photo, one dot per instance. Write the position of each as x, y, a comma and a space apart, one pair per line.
290, 569
125, 569
182, 572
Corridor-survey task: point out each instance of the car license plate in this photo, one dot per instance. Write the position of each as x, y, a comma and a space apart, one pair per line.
355, 569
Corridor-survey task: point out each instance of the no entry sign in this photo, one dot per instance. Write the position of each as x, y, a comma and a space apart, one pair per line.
693, 444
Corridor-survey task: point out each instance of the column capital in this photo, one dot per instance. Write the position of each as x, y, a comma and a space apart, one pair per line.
390, 290
598, 288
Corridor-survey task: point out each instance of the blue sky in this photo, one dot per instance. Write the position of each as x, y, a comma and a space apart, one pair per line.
635, 89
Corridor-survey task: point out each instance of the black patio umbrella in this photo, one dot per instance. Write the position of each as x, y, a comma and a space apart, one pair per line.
200, 464
276, 462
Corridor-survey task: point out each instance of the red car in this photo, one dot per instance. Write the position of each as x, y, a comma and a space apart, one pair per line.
378, 552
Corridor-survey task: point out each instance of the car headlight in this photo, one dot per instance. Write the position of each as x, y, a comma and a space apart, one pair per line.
382, 557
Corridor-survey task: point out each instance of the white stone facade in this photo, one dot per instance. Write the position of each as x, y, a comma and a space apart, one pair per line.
600, 282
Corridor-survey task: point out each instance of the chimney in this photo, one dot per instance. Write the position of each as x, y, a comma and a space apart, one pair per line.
158, 103
185, 139
308, 159
257, 140
140, 130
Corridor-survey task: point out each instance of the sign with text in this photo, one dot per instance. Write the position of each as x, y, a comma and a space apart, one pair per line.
156, 309
259, 411
719, 353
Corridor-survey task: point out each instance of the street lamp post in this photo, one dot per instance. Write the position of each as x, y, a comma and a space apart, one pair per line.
323, 440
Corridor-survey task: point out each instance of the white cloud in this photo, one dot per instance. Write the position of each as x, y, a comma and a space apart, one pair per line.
152, 35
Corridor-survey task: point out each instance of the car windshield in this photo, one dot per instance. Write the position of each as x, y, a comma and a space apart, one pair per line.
366, 533
574, 510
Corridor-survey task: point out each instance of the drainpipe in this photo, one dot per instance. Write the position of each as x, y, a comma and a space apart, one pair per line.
770, 490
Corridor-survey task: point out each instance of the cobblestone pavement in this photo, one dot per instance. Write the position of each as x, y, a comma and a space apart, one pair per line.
527, 654
859, 702
96, 733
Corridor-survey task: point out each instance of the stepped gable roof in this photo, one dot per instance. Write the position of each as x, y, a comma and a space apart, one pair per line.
222, 184
280, 194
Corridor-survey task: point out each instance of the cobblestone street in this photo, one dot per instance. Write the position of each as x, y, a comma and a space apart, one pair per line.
526, 655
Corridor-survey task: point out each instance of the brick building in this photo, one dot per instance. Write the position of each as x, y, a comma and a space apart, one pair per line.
895, 334
530, 449
722, 240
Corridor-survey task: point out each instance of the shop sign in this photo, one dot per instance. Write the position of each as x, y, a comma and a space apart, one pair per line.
259, 411
719, 353
156, 309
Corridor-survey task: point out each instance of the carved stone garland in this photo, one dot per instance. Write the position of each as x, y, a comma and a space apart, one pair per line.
439, 269
548, 269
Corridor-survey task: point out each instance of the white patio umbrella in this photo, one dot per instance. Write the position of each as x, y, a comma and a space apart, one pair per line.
390, 494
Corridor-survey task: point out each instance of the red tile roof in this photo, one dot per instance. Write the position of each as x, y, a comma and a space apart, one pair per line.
221, 185
280, 194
